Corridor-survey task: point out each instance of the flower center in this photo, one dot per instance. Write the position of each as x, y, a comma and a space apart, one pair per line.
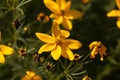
59, 42
62, 12
22, 51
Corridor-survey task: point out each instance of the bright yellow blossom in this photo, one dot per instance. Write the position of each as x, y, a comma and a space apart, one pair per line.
61, 12
30, 75
58, 44
115, 13
4, 50
97, 47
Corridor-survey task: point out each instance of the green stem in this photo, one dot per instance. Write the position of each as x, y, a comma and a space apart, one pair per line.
47, 59
65, 72
78, 65
8, 4
61, 64
69, 77
59, 76
13, 6
85, 57
14, 28
69, 66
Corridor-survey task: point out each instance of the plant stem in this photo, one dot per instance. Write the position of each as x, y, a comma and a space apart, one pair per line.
65, 72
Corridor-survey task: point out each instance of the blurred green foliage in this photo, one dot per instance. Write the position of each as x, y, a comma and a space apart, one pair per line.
16, 15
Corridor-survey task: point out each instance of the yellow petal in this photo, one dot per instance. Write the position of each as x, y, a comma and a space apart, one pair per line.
102, 50
65, 33
61, 3
70, 54
73, 14
54, 16
72, 44
46, 48
67, 6
2, 58
50, 4
45, 38
118, 3
67, 24
59, 20
118, 23
56, 53
30, 73
91, 45
64, 54
37, 77
6, 50
114, 13
67, 53
56, 31
94, 52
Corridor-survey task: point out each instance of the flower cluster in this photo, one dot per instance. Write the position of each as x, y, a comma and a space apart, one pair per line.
58, 43
63, 50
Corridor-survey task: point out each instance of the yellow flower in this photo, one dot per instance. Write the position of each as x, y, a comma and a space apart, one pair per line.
30, 75
4, 50
86, 78
115, 13
61, 12
97, 47
58, 44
